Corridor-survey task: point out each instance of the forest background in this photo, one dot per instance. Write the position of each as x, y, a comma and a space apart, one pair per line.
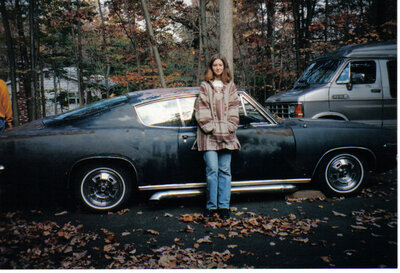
273, 42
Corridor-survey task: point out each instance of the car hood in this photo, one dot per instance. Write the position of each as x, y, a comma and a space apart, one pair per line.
294, 94
27, 127
329, 123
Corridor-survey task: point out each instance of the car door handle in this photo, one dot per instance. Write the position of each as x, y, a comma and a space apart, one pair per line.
375, 90
185, 137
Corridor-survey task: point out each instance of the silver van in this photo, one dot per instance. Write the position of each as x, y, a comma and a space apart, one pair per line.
356, 83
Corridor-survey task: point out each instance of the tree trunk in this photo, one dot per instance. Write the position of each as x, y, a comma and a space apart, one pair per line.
55, 87
43, 96
32, 101
271, 38
103, 32
79, 60
11, 60
153, 43
226, 31
295, 10
134, 44
25, 66
204, 28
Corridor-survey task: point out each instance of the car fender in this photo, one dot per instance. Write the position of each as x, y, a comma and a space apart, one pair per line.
330, 115
102, 158
349, 148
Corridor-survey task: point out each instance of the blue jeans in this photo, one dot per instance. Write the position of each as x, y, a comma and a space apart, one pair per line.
218, 175
2, 125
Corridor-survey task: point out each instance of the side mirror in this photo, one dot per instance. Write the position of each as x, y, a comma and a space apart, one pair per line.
349, 86
245, 120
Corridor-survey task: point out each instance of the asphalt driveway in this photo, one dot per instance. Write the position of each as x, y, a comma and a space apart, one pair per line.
42, 229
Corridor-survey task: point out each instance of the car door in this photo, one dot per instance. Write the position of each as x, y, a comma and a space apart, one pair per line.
267, 148
389, 90
191, 161
158, 163
357, 92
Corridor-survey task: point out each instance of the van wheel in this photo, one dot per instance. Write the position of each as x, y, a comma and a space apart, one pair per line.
342, 174
102, 187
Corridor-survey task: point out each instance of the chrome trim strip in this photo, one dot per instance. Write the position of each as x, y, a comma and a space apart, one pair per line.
172, 186
189, 193
233, 184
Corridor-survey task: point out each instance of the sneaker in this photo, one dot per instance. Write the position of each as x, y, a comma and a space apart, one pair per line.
224, 214
209, 213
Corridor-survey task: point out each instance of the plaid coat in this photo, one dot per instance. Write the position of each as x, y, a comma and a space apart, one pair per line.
218, 119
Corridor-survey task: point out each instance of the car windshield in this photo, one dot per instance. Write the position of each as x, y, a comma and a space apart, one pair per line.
92, 108
320, 71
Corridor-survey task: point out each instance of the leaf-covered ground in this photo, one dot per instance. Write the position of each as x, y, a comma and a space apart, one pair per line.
265, 231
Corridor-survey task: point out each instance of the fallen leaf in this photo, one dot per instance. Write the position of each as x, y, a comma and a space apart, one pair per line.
326, 259
123, 211
108, 248
358, 227
79, 255
205, 239
61, 213
153, 232
168, 215
303, 240
232, 246
338, 214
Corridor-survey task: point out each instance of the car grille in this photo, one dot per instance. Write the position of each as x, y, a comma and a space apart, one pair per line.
281, 110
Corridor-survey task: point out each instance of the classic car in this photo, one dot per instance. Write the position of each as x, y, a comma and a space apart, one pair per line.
107, 151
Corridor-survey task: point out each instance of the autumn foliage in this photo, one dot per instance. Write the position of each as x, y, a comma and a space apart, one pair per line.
274, 40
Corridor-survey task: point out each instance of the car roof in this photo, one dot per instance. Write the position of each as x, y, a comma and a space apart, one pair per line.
386, 49
141, 96
160, 93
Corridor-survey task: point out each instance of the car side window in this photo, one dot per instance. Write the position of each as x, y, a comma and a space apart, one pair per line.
358, 72
162, 113
186, 106
392, 73
249, 113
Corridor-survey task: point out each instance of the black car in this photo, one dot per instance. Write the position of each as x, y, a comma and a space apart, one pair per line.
142, 142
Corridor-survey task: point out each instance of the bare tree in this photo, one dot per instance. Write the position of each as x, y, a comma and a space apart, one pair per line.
153, 43
204, 30
78, 57
11, 60
103, 32
32, 102
226, 30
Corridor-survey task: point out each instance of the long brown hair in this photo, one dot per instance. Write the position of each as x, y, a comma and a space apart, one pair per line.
226, 74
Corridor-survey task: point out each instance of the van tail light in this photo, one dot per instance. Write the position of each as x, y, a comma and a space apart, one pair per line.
299, 111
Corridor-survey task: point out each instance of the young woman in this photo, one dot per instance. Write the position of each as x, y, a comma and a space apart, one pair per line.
217, 114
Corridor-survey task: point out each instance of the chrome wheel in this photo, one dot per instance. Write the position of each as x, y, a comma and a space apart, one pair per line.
102, 188
344, 173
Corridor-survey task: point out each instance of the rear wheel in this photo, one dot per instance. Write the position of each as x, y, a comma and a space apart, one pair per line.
102, 187
342, 174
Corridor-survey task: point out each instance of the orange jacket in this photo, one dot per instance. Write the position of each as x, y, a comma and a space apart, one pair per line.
5, 103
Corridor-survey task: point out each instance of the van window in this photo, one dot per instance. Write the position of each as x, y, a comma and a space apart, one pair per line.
392, 73
362, 72
320, 71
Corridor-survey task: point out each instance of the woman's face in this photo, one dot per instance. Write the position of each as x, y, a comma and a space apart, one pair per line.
218, 67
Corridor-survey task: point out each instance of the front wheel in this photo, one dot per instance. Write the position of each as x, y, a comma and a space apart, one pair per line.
342, 174
102, 188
